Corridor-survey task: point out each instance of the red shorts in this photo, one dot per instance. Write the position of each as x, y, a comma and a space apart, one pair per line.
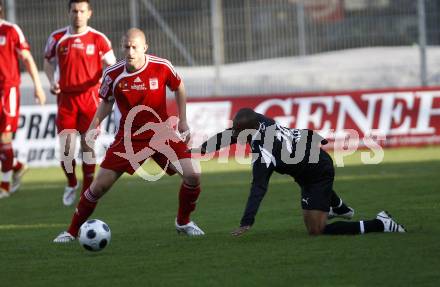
117, 158
10, 108
76, 111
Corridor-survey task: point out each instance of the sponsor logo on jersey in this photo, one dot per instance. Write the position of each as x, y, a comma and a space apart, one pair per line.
2, 40
138, 85
154, 84
90, 50
77, 44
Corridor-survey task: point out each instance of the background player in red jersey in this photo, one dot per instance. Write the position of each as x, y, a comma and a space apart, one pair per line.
13, 46
74, 59
137, 85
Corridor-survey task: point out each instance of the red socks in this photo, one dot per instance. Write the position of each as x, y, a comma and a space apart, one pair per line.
88, 173
71, 177
17, 166
5, 185
7, 159
188, 196
84, 209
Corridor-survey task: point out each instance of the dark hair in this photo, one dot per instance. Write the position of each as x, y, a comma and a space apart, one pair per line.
246, 113
78, 1
246, 118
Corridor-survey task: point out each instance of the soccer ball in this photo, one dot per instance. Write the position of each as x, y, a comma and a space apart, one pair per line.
94, 235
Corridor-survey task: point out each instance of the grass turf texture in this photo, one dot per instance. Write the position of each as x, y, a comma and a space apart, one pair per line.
146, 251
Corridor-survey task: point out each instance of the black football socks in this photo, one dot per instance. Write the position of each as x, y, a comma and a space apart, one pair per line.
351, 228
338, 206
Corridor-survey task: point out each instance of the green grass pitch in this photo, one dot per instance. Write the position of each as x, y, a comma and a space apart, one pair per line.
146, 251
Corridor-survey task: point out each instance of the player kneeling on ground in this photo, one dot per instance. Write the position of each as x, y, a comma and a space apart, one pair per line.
137, 85
296, 153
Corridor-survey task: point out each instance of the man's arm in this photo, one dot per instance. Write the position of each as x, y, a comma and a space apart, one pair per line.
261, 175
216, 142
180, 96
108, 59
31, 67
104, 109
49, 70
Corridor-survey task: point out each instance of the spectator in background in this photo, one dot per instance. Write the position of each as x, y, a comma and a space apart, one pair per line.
74, 60
13, 45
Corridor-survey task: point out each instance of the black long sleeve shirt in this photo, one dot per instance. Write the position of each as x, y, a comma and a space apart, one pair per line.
275, 148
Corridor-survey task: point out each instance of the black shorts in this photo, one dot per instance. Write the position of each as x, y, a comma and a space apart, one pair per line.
316, 195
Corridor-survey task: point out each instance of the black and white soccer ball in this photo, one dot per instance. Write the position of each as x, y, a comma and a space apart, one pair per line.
94, 235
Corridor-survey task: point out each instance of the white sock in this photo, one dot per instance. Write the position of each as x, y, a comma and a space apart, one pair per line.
7, 176
340, 203
361, 224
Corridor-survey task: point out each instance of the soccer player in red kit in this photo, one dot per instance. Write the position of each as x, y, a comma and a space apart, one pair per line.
13, 46
137, 85
74, 60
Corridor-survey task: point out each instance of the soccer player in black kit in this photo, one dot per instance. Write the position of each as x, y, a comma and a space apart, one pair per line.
296, 153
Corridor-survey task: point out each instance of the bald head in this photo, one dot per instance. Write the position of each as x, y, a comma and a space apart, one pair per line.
135, 33
134, 46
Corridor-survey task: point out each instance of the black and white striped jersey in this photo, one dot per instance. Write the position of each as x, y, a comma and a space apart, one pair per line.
274, 148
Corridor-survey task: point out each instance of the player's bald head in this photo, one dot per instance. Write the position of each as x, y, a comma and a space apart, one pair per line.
135, 33
134, 46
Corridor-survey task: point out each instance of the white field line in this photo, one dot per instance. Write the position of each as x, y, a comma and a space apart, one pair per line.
30, 226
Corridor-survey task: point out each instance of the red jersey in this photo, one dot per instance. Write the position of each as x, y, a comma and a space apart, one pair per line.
78, 58
12, 42
147, 87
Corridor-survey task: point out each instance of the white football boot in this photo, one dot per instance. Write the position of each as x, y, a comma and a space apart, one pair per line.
69, 195
16, 178
4, 193
64, 237
389, 225
190, 229
347, 215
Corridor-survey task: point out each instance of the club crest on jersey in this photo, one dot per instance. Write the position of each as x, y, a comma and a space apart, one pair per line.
90, 50
154, 84
2, 40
